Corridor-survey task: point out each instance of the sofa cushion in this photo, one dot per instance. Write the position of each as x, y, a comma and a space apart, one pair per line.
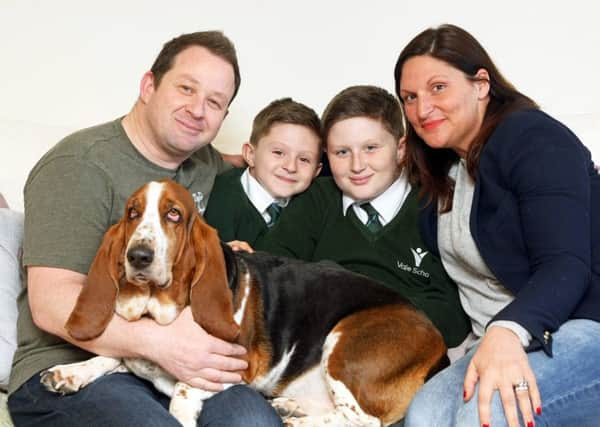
5, 420
11, 236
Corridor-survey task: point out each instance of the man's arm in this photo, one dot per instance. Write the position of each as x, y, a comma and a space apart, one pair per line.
182, 348
236, 160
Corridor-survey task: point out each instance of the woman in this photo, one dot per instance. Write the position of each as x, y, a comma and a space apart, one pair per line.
513, 210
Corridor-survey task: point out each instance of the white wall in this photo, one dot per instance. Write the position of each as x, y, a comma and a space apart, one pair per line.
72, 64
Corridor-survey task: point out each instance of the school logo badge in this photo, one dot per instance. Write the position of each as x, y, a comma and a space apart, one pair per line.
199, 201
418, 256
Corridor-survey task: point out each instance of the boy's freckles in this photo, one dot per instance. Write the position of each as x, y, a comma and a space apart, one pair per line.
363, 156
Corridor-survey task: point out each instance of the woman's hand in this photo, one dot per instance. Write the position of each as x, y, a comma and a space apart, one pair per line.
500, 363
193, 356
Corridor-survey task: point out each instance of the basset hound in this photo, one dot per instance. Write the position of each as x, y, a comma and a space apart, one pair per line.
329, 346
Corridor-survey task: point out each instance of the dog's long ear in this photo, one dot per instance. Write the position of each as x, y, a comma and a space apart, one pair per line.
95, 305
211, 299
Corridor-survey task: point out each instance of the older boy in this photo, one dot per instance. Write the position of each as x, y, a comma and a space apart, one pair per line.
365, 218
283, 157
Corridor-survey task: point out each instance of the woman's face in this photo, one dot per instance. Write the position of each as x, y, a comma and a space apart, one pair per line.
445, 108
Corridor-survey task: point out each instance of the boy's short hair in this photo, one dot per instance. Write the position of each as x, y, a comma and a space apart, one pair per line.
284, 110
214, 41
364, 101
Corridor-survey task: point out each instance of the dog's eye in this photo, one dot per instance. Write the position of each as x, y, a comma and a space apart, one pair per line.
133, 213
173, 215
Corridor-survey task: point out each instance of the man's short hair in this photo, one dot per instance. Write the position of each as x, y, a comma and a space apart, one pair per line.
288, 111
364, 101
214, 41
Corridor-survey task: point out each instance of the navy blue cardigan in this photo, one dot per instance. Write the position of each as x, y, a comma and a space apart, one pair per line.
536, 222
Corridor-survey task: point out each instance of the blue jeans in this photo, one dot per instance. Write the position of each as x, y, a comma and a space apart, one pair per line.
124, 400
569, 385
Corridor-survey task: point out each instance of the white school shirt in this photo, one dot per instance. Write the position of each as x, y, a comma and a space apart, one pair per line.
387, 204
259, 196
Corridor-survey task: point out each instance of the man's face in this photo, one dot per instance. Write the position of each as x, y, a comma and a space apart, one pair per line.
186, 110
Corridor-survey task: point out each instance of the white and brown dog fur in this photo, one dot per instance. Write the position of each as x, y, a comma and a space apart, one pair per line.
329, 346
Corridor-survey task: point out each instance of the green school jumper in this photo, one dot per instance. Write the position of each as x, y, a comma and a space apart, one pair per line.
314, 228
231, 212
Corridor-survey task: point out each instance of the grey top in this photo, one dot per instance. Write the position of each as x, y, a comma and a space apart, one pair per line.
481, 294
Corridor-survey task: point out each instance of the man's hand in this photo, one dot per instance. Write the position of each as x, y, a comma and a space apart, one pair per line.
193, 356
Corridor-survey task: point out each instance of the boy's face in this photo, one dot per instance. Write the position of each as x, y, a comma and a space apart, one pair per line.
285, 160
364, 157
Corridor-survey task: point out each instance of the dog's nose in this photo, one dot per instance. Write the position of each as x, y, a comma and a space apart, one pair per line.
140, 256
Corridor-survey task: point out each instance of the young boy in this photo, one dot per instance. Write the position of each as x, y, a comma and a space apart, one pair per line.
365, 217
283, 157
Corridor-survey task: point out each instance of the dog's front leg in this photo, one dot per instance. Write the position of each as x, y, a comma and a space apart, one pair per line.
161, 379
186, 403
67, 379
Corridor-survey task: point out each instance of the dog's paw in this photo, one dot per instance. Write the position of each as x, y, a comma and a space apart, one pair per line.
63, 381
294, 422
287, 408
319, 421
186, 403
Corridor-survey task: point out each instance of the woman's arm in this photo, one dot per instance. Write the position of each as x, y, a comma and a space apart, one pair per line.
548, 174
545, 169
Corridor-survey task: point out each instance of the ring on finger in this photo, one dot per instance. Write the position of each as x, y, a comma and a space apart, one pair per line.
521, 386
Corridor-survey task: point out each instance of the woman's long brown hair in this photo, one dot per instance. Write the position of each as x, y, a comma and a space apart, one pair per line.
427, 166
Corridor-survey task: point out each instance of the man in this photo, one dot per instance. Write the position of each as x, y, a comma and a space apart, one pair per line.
74, 193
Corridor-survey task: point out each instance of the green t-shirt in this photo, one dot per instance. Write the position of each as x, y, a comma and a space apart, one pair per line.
72, 196
314, 228
231, 212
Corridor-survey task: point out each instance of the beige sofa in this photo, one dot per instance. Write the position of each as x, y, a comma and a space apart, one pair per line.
11, 235
4, 416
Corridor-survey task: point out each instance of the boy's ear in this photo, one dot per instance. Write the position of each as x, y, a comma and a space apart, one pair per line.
318, 169
147, 86
248, 153
401, 149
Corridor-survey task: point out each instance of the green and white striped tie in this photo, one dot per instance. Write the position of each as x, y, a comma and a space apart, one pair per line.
274, 210
373, 223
